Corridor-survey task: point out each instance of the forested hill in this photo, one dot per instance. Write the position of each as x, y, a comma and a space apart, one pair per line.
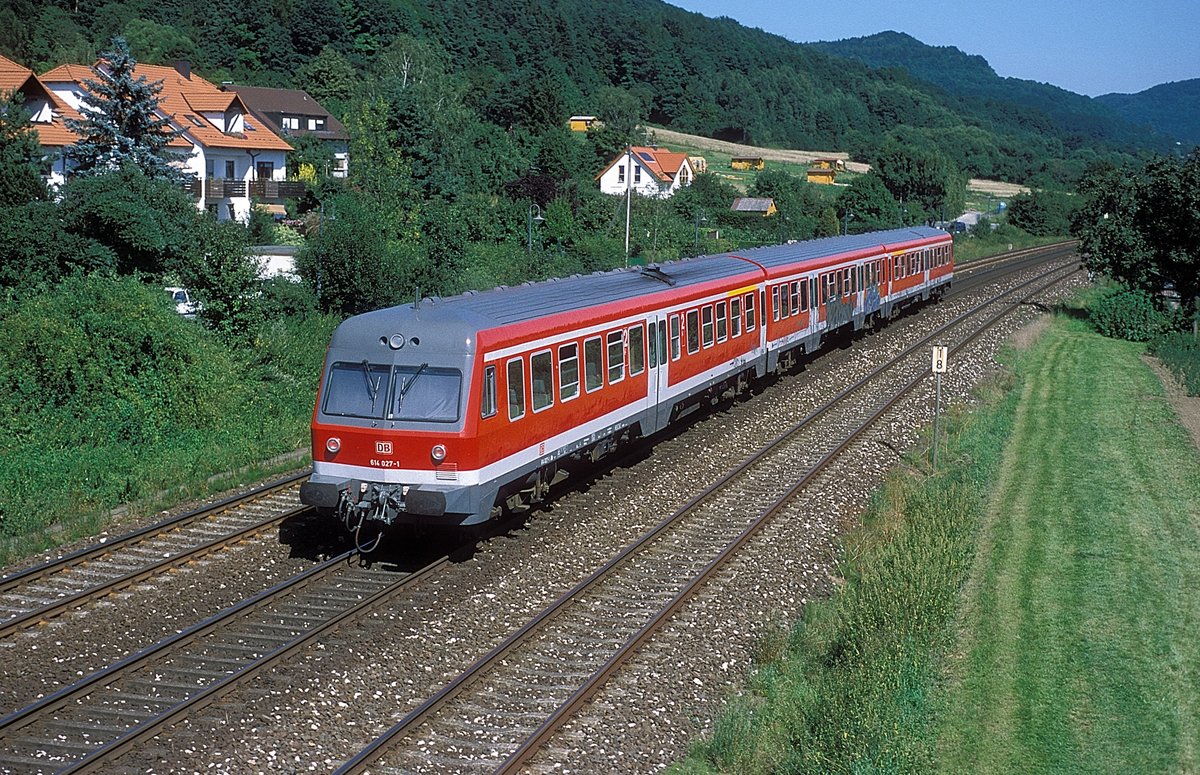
1173, 108
980, 90
529, 63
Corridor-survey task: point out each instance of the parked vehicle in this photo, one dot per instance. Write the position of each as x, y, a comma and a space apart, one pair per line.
184, 304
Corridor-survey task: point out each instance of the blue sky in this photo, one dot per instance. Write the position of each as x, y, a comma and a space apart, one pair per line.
1091, 48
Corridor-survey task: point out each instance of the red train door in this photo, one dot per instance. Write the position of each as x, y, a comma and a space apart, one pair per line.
656, 379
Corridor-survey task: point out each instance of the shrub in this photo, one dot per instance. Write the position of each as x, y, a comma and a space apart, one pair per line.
1128, 314
1180, 353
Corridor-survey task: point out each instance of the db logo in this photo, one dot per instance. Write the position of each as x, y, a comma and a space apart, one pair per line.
383, 447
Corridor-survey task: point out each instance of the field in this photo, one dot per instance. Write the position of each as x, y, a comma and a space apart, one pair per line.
1030, 608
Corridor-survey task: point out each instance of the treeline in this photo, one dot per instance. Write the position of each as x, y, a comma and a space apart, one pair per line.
523, 66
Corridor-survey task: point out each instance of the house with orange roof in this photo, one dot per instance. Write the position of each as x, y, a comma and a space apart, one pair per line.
48, 114
232, 156
649, 171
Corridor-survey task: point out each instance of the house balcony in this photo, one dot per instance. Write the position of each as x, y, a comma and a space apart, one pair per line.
277, 189
216, 188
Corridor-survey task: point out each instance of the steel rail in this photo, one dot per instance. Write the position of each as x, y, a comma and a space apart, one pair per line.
365, 756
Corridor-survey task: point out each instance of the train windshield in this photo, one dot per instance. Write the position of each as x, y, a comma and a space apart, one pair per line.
378, 391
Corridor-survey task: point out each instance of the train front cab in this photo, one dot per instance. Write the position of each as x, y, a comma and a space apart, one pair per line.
391, 437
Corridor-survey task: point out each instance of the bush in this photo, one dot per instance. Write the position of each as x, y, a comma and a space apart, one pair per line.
1180, 353
1128, 314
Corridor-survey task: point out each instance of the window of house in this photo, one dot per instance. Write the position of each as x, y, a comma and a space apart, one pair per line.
487, 404
722, 322
316, 124
620, 173
693, 331
735, 317
568, 371
289, 122
616, 357
675, 349
230, 169
637, 174
707, 328
637, 350
264, 170
516, 389
593, 364
541, 373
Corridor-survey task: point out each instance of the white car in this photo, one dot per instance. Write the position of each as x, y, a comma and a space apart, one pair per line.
184, 304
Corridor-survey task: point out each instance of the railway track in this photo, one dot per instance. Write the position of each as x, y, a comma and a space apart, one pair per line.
499, 712
37, 594
84, 727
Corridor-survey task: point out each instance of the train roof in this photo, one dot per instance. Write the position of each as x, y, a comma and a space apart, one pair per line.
478, 310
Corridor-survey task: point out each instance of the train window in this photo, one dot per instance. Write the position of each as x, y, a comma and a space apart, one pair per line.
750, 312
593, 364
837, 284
803, 295
541, 375
487, 402
616, 356
860, 269
897, 267
722, 321
693, 331
796, 298
425, 393
813, 298
568, 371
775, 303
637, 351
785, 306
735, 317
707, 328
662, 341
516, 389
357, 389
653, 343
848, 280
675, 351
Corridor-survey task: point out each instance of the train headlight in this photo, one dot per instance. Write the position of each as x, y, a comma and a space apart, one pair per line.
396, 341
333, 444
438, 453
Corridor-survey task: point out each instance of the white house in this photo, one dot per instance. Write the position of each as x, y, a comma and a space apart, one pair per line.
48, 116
231, 157
647, 171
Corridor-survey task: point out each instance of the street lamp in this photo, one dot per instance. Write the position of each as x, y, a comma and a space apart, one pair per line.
700, 218
535, 214
846, 216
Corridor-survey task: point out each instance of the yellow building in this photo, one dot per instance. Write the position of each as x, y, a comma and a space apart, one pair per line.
822, 176
747, 163
581, 123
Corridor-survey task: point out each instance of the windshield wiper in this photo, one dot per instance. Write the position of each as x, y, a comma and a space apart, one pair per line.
408, 385
372, 387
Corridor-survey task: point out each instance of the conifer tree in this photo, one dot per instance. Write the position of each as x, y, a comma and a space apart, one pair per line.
20, 154
121, 125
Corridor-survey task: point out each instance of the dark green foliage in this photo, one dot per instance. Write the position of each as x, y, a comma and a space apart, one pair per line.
120, 127
20, 154
1142, 227
1042, 213
1171, 108
868, 204
225, 280
38, 250
803, 213
1128, 314
1180, 352
147, 224
283, 298
926, 183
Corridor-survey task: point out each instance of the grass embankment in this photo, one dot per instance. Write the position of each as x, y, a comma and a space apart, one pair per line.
1043, 623
109, 398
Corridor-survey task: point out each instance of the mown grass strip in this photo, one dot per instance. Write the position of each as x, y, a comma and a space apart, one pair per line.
1031, 608
1079, 649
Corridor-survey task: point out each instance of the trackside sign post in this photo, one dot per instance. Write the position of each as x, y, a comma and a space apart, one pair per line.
940, 360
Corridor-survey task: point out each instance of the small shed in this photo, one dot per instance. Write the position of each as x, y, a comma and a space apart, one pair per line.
581, 123
754, 206
747, 163
699, 164
829, 164
822, 176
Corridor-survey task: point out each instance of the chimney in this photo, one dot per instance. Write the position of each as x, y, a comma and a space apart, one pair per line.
184, 68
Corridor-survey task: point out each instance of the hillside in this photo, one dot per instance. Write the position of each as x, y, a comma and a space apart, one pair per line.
978, 88
1171, 108
528, 65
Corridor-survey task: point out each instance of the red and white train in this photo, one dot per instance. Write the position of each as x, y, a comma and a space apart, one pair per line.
444, 411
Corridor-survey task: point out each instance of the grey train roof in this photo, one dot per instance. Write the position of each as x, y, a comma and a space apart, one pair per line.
529, 301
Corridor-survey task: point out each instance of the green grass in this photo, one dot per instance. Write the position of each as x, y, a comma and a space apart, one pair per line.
1031, 608
1079, 649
